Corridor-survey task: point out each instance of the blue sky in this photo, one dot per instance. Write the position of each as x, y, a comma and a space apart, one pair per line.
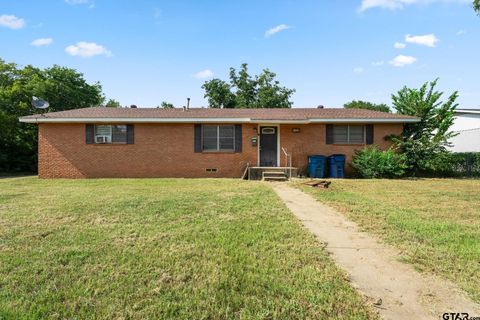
144, 52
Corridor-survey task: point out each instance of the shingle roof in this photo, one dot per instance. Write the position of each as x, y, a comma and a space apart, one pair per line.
242, 115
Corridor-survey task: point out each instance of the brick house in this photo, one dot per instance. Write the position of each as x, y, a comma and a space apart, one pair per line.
200, 142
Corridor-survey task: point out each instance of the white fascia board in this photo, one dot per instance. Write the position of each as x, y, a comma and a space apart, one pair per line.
134, 120
463, 111
209, 120
365, 120
256, 121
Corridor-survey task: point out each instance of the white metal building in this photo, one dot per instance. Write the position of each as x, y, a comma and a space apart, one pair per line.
467, 124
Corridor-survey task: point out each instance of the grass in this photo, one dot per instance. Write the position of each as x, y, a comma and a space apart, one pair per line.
161, 249
434, 222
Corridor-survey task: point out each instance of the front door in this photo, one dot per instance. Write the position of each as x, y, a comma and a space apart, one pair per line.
268, 146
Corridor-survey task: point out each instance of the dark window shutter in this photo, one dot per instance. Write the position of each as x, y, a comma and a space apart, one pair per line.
369, 133
329, 134
238, 138
198, 138
130, 134
89, 133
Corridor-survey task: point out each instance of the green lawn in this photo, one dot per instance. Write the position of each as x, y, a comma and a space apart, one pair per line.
161, 248
434, 222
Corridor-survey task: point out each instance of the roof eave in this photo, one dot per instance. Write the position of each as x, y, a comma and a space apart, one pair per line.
366, 120
133, 120
214, 120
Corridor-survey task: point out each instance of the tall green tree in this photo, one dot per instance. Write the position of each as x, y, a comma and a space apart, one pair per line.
63, 88
476, 6
359, 104
270, 93
219, 94
166, 105
246, 91
112, 103
424, 143
245, 87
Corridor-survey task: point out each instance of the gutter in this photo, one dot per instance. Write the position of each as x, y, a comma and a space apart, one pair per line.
214, 120
366, 120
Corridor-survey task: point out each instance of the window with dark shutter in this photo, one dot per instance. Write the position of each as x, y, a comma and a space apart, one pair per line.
209, 138
329, 134
340, 134
198, 138
369, 132
119, 134
218, 138
356, 134
130, 134
110, 133
89, 133
226, 138
238, 138
346, 134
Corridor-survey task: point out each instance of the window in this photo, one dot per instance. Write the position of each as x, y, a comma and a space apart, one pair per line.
218, 138
348, 134
111, 133
268, 130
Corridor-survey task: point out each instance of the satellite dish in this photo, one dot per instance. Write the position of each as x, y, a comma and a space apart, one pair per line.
39, 103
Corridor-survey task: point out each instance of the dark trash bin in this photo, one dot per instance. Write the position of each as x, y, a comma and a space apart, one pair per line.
336, 164
316, 166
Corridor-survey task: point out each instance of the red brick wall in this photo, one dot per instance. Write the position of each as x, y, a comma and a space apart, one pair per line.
311, 140
160, 150
167, 150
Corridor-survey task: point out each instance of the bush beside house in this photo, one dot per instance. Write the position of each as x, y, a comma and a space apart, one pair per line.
422, 148
371, 162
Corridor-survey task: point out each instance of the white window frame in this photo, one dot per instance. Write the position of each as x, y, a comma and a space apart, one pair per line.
110, 135
268, 130
364, 127
217, 126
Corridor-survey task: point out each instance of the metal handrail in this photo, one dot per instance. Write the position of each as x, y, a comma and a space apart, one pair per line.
288, 162
246, 171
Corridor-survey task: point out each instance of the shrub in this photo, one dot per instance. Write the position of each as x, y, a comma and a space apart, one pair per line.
373, 163
425, 142
448, 164
438, 165
466, 164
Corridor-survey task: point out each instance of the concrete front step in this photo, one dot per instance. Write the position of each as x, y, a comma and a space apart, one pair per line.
258, 173
274, 173
275, 178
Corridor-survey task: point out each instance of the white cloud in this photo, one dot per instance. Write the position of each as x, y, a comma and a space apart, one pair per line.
42, 42
429, 40
399, 45
11, 21
272, 31
461, 32
385, 4
358, 70
87, 50
400, 4
402, 61
378, 63
207, 73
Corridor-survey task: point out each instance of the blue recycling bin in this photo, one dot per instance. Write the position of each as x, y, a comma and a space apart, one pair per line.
316, 166
336, 164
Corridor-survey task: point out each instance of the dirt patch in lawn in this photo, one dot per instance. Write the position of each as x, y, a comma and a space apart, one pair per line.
395, 288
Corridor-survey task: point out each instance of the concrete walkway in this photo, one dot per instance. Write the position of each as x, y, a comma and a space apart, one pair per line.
396, 289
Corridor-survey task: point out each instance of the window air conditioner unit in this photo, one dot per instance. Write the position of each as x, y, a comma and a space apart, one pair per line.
102, 139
